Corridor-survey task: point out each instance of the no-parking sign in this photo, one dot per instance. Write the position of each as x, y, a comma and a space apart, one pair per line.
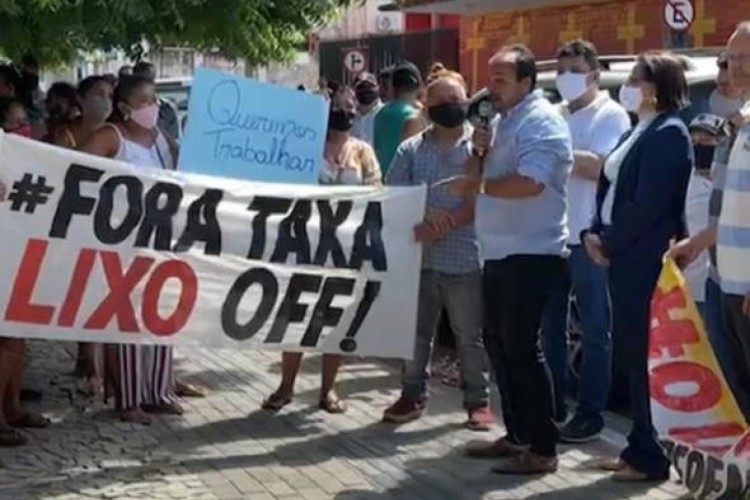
355, 61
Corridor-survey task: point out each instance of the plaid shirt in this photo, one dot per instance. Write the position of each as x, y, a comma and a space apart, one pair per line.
419, 160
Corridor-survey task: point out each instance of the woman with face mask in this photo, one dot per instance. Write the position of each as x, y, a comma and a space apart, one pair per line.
346, 161
13, 120
61, 107
132, 136
640, 209
93, 104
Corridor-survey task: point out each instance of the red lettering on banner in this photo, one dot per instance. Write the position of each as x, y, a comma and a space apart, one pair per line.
81, 273
20, 309
669, 336
694, 436
117, 303
188, 296
742, 448
709, 386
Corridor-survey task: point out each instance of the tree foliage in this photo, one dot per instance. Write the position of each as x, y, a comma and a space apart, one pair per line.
259, 31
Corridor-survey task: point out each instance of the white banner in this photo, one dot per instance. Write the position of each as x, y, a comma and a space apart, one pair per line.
101, 251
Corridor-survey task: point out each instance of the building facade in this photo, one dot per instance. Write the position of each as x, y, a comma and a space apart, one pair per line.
615, 26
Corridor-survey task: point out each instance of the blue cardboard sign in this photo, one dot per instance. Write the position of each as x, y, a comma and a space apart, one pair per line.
243, 129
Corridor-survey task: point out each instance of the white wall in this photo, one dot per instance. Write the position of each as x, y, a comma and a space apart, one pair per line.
360, 21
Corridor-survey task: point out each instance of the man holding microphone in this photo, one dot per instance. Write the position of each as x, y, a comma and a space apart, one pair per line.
519, 173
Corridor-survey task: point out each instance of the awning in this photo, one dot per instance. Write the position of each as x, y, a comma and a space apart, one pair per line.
475, 7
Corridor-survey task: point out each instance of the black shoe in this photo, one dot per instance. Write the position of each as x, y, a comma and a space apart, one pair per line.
581, 430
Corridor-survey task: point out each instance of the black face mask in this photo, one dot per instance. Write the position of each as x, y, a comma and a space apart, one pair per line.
448, 115
367, 97
704, 156
341, 120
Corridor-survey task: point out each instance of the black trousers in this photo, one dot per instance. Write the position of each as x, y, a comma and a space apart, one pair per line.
738, 326
516, 290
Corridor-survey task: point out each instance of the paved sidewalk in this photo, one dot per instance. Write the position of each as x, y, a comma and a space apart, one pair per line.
226, 448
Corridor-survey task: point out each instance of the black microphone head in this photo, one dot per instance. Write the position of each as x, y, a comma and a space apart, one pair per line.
481, 111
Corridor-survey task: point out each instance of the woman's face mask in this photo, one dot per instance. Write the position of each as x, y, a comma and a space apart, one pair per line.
146, 117
96, 108
341, 120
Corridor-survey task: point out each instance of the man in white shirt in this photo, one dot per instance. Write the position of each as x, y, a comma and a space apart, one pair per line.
367, 93
596, 124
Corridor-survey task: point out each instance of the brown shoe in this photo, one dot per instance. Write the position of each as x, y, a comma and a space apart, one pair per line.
404, 410
501, 448
526, 464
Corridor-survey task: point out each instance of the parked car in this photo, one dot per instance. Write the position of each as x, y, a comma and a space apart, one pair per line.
176, 90
700, 70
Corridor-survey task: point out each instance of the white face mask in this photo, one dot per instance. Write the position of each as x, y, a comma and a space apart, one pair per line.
723, 106
571, 86
631, 98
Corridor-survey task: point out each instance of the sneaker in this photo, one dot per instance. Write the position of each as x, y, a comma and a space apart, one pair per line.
580, 430
480, 419
404, 410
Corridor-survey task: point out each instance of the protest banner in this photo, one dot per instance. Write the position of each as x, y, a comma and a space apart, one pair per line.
97, 251
695, 413
243, 129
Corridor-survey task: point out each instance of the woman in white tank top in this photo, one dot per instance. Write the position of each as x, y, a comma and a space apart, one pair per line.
142, 375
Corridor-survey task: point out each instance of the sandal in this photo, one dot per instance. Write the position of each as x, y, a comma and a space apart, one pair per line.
12, 437
185, 390
30, 421
333, 405
276, 401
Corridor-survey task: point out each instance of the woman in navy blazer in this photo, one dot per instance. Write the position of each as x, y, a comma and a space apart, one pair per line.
640, 209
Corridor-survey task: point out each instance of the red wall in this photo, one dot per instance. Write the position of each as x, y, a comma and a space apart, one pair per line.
426, 22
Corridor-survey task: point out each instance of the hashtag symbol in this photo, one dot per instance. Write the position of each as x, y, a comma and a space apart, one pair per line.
29, 193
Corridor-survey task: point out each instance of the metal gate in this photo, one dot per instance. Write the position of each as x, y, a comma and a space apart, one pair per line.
422, 48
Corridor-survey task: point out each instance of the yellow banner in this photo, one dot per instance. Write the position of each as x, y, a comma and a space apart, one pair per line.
694, 411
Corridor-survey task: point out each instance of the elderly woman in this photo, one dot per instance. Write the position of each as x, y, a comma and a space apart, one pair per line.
346, 161
640, 209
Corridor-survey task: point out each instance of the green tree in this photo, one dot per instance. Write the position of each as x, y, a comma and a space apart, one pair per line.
259, 31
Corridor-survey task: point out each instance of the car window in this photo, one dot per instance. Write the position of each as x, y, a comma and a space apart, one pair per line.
699, 95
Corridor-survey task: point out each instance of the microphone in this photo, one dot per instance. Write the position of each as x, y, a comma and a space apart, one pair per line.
485, 113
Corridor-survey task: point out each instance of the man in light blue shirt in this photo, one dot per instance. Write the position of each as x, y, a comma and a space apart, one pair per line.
521, 217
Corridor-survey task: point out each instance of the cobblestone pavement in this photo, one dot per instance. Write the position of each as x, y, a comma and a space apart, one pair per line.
226, 448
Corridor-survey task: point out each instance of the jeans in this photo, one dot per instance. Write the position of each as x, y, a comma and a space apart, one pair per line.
721, 343
461, 295
738, 327
589, 283
632, 282
516, 290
